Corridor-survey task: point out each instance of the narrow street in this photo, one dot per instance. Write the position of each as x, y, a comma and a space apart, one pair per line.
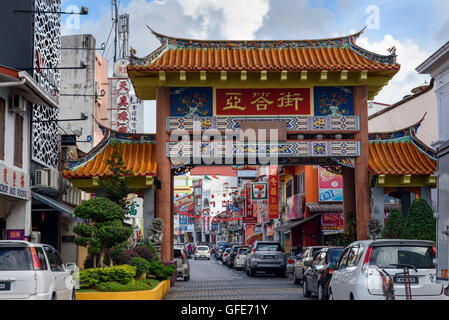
210, 280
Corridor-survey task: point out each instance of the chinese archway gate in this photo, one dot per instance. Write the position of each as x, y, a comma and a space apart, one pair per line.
314, 92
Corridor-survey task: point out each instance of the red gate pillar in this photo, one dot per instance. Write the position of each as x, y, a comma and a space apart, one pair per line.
163, 196
362, 183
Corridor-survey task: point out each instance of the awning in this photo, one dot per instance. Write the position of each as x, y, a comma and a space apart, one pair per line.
338, 207
65, 209
292, 224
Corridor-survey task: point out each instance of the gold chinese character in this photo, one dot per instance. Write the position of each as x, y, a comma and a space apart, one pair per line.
233, 101
273, 191
287, 100
261, 102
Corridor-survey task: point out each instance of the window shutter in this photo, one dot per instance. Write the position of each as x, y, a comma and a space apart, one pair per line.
18, 141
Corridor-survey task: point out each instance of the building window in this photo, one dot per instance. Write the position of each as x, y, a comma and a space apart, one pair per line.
18, 141
2, 128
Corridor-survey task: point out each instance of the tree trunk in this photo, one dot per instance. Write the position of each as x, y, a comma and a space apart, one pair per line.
111, 263
95, 260
101, 260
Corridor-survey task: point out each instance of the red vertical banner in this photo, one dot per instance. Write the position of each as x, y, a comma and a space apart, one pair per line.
249, 214
273, 192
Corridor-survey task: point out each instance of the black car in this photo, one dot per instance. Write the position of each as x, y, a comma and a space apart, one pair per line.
318, 276
303, 262
233, 254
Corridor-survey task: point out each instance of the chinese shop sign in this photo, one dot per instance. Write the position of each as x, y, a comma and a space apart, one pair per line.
237, 102
332, 223
125, 110
330, 186
14, 183
249, 210
273, 187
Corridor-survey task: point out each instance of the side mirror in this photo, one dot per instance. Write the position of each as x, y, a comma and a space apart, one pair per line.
70, 267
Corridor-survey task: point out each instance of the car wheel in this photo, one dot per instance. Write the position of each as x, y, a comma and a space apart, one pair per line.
330, 295
187, 278
305, 288
252, 272
53, 297
296, 280
321, 292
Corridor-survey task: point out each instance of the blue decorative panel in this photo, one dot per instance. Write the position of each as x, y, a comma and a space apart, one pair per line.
333, 101
195, 101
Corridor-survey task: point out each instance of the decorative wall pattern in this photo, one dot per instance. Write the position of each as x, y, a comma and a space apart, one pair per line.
293, 123
333, 101
47, 46
45, 136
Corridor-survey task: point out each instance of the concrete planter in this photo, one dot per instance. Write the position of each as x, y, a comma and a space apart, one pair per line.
157, 293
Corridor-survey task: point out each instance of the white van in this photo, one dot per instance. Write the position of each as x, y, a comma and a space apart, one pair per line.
33, 271
357, 276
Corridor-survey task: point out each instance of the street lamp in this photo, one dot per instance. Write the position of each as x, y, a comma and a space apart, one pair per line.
83, 11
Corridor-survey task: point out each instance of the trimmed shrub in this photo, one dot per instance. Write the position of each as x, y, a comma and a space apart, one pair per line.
420, 223
126, 257
145, 253
93, 277
159, 271
141, 264
118, 287
394, 226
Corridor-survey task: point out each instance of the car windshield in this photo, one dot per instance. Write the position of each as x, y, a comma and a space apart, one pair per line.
177, 253
334, 256
235, 249
419, 257
203, 248
15, 259
243, 250
268, 247
228, 249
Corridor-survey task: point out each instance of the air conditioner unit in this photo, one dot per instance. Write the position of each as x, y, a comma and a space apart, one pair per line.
53, 178
41, 178
18, 104
35, 237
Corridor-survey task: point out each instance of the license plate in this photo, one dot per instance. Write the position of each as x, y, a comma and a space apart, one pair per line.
400, 279
268, 257
5, 286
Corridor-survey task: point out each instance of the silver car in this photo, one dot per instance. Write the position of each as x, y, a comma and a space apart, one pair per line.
266, 256
182, 263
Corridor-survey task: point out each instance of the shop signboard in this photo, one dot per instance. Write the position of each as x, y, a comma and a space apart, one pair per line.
330, 186
259, 191
294, 206
273, 202
14, 183
250, 217
332, 223
263, 102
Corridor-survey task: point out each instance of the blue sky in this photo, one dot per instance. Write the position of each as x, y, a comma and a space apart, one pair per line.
417, 28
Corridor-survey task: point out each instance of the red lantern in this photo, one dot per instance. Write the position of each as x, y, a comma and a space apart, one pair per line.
224, 195
212, 196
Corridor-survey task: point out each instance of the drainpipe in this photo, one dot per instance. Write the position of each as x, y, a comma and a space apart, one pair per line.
12, 84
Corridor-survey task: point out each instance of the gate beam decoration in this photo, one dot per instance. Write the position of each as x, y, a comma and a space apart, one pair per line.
318, 89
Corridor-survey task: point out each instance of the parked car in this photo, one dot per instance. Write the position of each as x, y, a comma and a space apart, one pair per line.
226, 255
182, 263
291, 263
34, 271
357, 276
266, 256
240, 258
202, 252
318, 276
233, 253
220, 245
305, 261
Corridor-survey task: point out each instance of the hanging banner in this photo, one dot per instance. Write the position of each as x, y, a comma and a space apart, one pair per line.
332, 223
273, 201
330, 186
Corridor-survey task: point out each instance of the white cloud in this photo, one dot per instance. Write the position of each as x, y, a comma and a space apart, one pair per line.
410, 55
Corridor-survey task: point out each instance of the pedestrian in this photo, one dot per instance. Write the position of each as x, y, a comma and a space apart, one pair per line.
190, 248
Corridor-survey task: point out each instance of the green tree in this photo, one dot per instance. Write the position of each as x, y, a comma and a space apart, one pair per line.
116, 182
104, 229
394, 226
350, 234
420, 223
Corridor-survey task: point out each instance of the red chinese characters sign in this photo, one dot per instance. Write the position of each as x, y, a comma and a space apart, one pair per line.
273, 192
237, 102
249, 218
332, 223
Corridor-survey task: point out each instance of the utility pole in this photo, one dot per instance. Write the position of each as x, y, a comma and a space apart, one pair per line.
124, 31
115, 23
